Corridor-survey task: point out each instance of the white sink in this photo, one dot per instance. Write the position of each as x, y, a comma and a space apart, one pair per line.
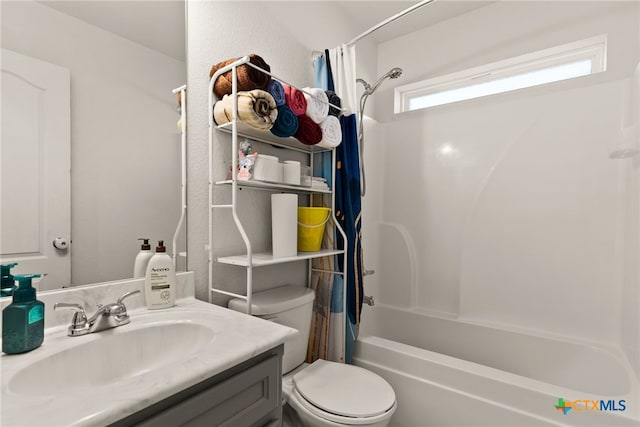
111, 356
100, 378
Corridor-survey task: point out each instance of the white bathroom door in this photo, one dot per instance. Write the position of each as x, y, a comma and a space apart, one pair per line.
35, 168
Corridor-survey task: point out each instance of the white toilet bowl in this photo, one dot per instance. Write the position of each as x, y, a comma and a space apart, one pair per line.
333, 394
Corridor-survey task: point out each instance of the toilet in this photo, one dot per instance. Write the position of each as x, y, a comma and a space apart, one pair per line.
322, 393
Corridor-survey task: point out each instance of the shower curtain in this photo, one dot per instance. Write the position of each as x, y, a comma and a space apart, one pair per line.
326, 340
347, 186
339, 64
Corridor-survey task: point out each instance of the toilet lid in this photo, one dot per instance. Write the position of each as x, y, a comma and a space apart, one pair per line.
345, 390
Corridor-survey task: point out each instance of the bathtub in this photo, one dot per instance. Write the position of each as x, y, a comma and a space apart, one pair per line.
454, 373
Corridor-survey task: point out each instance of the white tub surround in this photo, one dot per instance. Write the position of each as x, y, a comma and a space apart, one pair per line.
106, 390
500, 376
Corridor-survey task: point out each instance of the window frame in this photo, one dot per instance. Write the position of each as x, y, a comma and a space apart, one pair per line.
593, 49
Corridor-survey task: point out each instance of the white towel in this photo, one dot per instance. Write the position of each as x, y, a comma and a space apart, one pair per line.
331, 132
317, 104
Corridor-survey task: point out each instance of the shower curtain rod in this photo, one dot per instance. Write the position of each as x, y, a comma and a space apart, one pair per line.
389, 20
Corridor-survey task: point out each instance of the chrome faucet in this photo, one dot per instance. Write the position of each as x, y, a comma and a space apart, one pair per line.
106, 317
368, 300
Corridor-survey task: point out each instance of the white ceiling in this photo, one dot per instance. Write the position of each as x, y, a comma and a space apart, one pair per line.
366, 14
156, 24
325, 24
160, 24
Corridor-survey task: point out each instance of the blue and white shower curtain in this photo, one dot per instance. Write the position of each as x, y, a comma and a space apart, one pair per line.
336, 71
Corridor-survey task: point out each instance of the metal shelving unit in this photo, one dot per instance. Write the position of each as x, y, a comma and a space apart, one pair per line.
266, 258
262, 185
235, 128
182, 90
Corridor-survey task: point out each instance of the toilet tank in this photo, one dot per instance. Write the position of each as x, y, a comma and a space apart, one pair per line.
287, 305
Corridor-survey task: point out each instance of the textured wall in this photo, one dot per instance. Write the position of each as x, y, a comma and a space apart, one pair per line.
218, 31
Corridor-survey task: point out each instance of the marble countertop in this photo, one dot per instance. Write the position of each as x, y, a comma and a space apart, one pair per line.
237, 337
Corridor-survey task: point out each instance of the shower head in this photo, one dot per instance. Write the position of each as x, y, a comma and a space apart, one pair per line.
367, 86
393, 73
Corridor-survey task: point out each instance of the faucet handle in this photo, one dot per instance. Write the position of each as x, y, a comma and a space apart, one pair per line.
79, 323
127, 295
119, 310
78, 307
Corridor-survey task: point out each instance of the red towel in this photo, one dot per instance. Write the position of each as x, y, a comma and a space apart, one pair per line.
294, 99
309, 132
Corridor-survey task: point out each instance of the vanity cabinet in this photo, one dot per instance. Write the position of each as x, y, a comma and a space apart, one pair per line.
249, 394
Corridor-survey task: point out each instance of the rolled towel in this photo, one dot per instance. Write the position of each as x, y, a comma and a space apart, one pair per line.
294, 99
286, 124
331, 132
277, 91
309, 132
248, 77
256, 108
317, 104
334, 100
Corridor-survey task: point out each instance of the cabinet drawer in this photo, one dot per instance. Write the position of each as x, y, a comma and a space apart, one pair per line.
241, 400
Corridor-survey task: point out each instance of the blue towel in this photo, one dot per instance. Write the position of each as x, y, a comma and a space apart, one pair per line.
324, 80
286, 124
348, 206
330, 84
277, 91
320, 67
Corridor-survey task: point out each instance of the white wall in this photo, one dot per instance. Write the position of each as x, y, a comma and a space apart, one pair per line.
218, 31
630, 235
124, 144
510, 205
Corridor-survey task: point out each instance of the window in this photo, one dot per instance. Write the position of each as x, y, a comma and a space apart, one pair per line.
563, 62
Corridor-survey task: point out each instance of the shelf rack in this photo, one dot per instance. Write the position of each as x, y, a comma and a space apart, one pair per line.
262, 185
182, 90
235, 127
266, 258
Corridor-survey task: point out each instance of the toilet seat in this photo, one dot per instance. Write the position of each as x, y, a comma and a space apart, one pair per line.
296, 400
343, 394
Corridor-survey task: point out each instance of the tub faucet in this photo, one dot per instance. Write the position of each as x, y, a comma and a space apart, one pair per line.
106, 317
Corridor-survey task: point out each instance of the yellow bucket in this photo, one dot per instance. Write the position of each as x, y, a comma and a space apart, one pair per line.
311, 223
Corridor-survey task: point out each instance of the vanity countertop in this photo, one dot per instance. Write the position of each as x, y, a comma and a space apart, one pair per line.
98, 401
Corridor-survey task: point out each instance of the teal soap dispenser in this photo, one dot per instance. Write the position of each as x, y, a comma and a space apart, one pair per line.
23, 319
8, 282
